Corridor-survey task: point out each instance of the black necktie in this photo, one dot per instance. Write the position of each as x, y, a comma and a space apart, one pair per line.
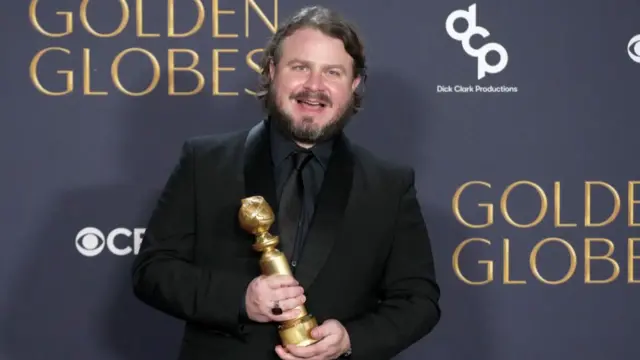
291, 204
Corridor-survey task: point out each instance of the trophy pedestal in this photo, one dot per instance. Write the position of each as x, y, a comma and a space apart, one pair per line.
298, 331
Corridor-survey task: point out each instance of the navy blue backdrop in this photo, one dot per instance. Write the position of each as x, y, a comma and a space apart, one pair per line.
520, 118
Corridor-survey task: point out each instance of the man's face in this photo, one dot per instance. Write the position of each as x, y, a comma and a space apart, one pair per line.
313, 85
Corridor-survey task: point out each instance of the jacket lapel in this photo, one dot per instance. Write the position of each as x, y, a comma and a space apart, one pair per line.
258, 169
329, 214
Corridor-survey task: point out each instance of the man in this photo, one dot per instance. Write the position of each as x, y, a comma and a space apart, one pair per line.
362, 258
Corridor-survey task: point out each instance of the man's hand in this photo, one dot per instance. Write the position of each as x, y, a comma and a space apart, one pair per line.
333, 342
264, 292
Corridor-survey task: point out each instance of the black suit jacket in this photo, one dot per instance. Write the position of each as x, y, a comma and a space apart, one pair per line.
367, 259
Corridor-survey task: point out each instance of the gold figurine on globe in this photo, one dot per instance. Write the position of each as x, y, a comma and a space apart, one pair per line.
256, 217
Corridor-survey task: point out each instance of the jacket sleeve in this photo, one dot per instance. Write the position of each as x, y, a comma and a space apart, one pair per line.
164, 276
408, 308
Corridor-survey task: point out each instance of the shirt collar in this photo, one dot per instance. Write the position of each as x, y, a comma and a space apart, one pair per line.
282, 146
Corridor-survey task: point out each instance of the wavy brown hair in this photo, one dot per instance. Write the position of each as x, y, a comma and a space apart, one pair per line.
331, 24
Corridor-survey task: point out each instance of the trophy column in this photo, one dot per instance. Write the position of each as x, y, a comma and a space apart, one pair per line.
256, 217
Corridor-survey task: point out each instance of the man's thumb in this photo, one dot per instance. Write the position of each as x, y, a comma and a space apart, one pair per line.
318, 332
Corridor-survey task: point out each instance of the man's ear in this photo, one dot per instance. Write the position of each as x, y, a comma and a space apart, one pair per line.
272, 69
355, 83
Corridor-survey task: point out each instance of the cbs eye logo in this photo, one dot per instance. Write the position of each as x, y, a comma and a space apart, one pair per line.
90, 241
633, 48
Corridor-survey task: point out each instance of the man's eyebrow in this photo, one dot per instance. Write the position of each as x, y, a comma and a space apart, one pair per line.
296, 60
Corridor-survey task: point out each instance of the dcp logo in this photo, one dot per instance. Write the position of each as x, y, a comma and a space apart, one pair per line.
90, 241
465, 37
633, 48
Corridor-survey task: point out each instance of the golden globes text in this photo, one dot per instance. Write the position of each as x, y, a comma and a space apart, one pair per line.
225, 56
588, 242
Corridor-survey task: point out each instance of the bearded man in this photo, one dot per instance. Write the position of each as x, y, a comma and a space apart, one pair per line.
349, 223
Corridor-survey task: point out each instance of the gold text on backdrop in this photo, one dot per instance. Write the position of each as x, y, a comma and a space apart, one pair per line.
482, 247
60, 54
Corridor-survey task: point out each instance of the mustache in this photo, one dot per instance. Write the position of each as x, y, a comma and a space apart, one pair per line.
307, 95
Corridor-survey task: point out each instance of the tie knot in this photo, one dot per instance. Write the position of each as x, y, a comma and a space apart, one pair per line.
300, 158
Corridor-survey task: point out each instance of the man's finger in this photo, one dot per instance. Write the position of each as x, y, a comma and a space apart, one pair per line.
318, 333
287, 315
288, 292
324, 330
284, 354
292, 303
278, 281
306, 352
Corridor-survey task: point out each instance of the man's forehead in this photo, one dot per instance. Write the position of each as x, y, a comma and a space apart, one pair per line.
311, 37
313, 46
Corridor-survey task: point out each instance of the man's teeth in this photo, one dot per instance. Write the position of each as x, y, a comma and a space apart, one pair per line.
311, 103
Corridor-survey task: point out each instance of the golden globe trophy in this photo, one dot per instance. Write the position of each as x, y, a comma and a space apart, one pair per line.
256, 217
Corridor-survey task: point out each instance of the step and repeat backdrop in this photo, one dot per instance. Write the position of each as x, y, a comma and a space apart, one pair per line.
521, 119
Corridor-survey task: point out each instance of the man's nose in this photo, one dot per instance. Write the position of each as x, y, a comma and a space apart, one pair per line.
314, 81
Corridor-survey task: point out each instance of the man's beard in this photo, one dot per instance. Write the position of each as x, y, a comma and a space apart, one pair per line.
306, 132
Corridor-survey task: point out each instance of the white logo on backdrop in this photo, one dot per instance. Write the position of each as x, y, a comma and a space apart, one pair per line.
481, 53
633, 48
91, 241
470, 17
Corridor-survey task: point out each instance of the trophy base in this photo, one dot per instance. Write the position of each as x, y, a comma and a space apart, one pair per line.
298, 332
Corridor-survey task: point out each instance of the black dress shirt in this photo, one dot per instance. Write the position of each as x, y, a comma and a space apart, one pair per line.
312, 174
